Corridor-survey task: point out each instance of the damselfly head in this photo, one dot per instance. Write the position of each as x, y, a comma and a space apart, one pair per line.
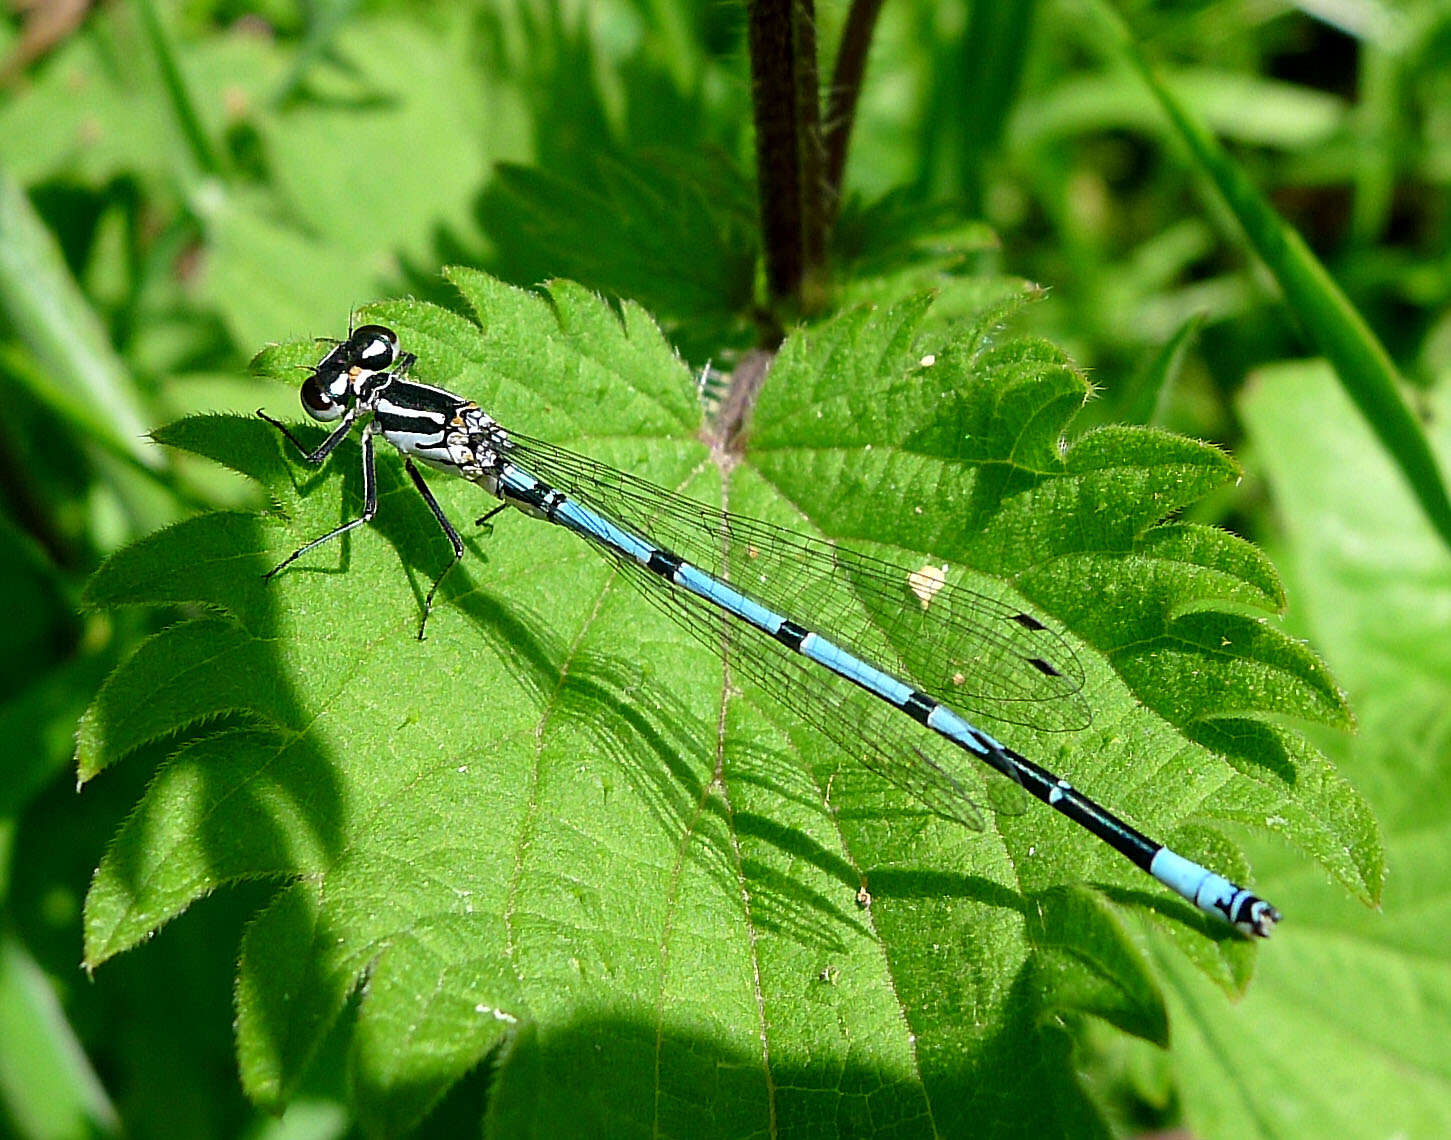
346, 369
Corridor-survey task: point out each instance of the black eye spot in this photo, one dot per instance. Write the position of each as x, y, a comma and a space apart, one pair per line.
374, 346
317, 401
314, 397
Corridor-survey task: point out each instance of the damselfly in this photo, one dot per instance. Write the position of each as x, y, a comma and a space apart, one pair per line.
855, 646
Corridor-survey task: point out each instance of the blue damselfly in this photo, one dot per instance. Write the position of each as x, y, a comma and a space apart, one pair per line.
856, 646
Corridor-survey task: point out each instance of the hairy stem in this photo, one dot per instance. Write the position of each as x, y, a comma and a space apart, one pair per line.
790, 159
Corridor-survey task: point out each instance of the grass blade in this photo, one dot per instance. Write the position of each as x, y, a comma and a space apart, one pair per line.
79, 376
1329, 319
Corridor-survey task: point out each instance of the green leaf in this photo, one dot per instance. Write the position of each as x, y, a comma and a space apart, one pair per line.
1140, 399
1247, 108
988, 76
78, 375
1345, 1029
1327, 316
86, 119
333, 224
556, 835
47, 1086
39, 722
325, 152
675, 232
202, 150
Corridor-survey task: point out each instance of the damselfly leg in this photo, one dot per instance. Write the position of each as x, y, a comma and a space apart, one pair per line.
346, 384
453, 538
485, 520
370, 492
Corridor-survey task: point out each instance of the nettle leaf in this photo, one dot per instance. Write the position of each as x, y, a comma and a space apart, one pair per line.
1364, 1056
556, 834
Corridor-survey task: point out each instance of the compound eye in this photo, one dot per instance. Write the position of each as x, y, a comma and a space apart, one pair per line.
374, 346
318, 401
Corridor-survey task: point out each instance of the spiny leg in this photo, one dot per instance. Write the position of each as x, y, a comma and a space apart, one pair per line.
325, 448
458, 545
370, 498
484, 519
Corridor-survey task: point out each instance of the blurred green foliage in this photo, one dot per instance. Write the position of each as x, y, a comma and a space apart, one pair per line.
181, 184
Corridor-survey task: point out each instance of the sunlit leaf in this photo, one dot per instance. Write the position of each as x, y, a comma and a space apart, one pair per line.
556, 830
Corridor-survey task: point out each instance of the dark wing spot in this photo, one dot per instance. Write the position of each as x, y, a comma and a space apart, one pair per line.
1028, 621
1043, 667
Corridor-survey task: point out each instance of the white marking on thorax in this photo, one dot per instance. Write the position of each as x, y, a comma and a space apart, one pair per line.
388, 408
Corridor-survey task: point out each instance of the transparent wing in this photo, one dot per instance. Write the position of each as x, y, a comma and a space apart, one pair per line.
961, 647
861, 725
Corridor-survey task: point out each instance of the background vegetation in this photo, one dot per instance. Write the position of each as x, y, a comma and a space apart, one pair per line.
182, 185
